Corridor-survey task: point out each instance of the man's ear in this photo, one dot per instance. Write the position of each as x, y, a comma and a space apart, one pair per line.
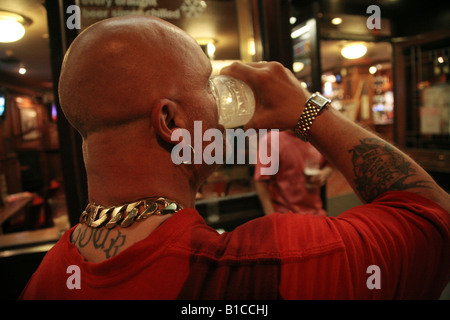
165, 119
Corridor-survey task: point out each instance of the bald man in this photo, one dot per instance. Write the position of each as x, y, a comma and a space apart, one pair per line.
126, 85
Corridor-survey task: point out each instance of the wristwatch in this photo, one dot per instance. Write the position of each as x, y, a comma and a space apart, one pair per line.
313, 106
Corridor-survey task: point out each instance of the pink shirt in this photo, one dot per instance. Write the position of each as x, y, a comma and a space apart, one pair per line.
287, 186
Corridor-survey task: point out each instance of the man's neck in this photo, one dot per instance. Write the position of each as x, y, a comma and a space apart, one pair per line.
122, 178
116, 178
107, 190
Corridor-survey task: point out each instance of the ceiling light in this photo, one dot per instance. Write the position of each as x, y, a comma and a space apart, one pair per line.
12, 26
354, 51
336, 21
22, 70
373, 69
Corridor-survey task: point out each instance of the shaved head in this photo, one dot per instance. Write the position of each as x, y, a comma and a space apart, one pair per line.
126, 85
116, 68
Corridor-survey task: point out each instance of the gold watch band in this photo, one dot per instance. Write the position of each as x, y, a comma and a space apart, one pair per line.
306, 120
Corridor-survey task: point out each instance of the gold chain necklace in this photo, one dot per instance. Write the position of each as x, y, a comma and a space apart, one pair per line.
96, 216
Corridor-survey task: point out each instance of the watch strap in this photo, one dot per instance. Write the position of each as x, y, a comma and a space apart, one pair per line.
306, 120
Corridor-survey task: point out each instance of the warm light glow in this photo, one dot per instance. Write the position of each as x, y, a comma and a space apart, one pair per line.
22, 70
373, 69
329, 78
251, 47
211, 48
297, 33
208, 45
440, 60
336, 21
292, 20
10, 30
298, 66
217, 65
354, 51
12, 26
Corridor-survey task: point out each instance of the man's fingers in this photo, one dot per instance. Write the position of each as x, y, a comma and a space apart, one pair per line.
245, 72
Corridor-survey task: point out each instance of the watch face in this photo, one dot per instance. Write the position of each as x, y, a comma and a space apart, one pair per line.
319, 100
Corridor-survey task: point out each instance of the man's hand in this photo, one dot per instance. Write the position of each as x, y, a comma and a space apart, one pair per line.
279, 96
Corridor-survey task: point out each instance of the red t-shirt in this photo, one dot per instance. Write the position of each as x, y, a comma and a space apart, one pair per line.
286, 256
292, 156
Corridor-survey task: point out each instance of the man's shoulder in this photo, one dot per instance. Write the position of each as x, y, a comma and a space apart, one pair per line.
278, 236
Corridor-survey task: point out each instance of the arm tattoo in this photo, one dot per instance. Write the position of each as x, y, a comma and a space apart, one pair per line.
378, 168
98, 238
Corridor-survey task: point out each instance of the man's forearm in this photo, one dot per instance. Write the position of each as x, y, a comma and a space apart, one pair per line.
371, 165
